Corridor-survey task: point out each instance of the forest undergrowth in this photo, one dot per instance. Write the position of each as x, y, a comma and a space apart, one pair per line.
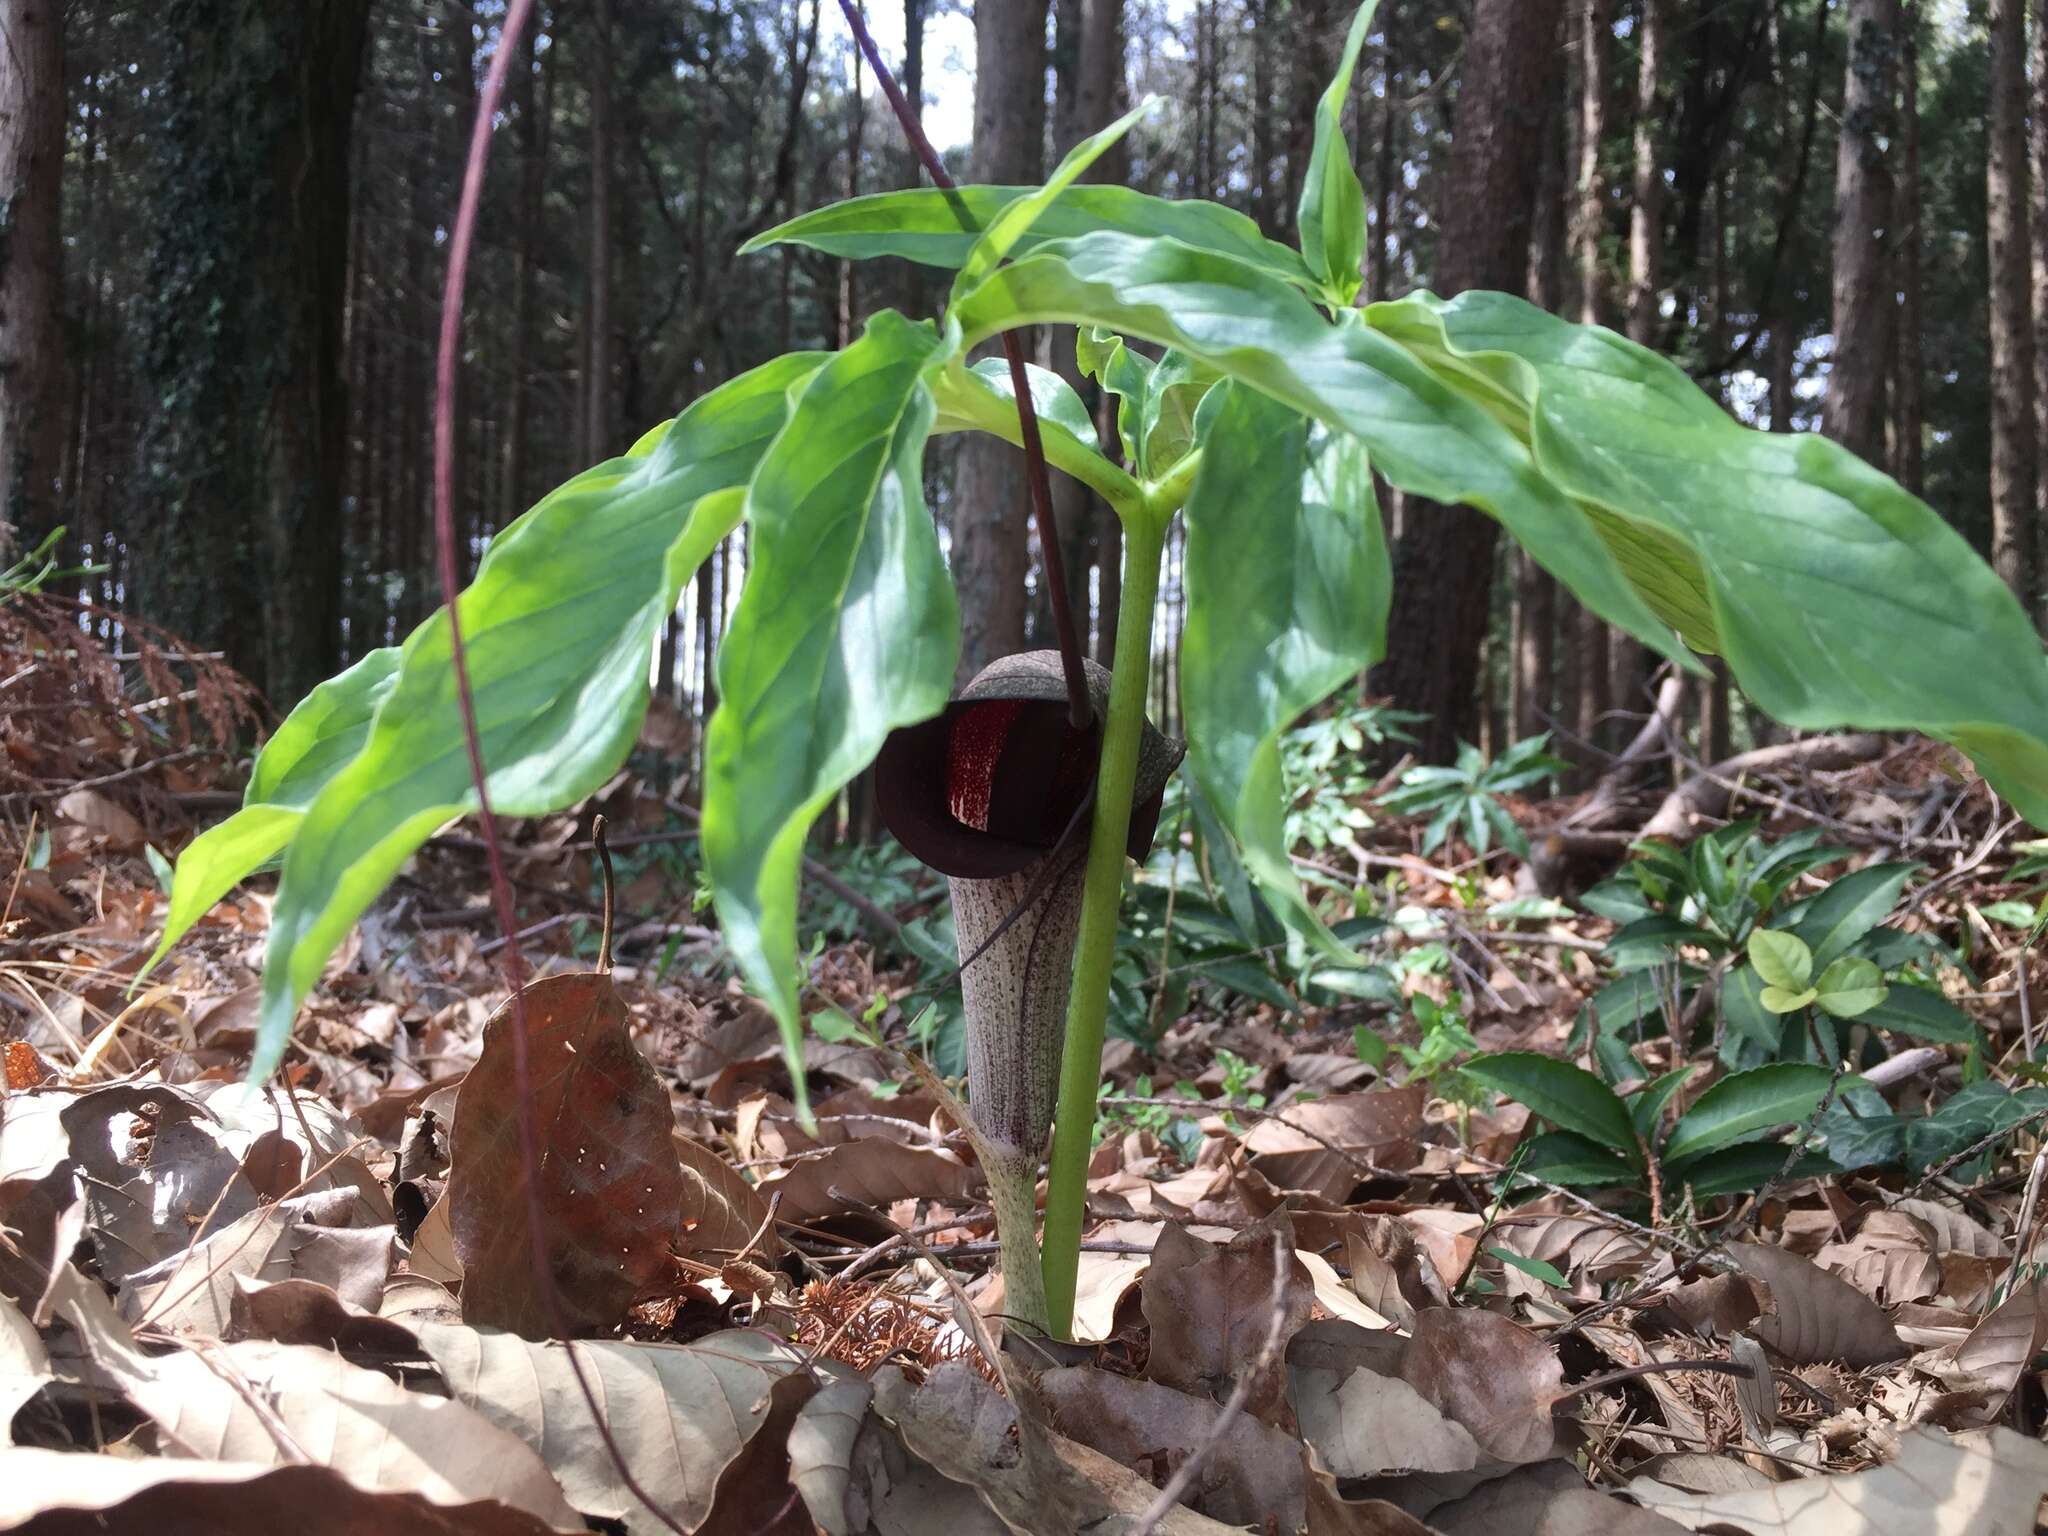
1366, 1250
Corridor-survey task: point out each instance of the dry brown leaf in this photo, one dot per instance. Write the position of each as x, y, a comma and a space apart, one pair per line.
1251, 1474
1372, 1425
1678, 1404
1585, 1249
867, 1176
681, 1415
1815, 1316
611, 1191
1389, 1270
1952, 1230
1040, 1483
1697, 1472
1890, 1259
193, 1292
721, 1211
1380, 1127
1719, 1305
432, 1255
821, 1450
66, 1491
1210, 1309
1331, 1514
303, 1312
1490, 1374
274, 1403
1449, 1238
1548, 1498
1988, 1483
2002, 1346
102, 818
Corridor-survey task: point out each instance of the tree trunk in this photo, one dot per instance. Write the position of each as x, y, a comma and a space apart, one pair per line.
598, 317
1596, 37
32, 385
1853, 413
1629, 660
1908, 398
991, 503
242, 346
1535, 610
460, 72
1265, 194
2040, 243
2006, 203
1444, 566
531, 121
1378, 249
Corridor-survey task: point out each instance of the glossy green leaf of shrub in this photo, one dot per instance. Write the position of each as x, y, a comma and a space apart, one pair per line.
559, 625
1745, 1105
1833, 919
1288, 585
847, 628
1569, 1097
1836, 596
1559, 1157
1852, 986
1332, 213
1425, 436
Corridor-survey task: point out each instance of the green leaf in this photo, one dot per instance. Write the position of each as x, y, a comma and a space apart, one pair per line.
1837, 917
1569, 1097
846, 629
316, 741
1558, 1157
1743, 1170
938, 228
1742, 1006
558, 625
1425, 436
1288, 585
1541, 1269
1015, 221
1646, 1109
1157, 402
1745, 1105
1836, 597
1782, 959
1923, 1014
1849, 987
1332, 215
1785, 1000
980, 398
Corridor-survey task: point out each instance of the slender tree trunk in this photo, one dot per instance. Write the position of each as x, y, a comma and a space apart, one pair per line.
1444, 566
2006, 205
1378, 259
1853, 413
856, 121
460, 72
598, 318
1908, 397
1535, 600
1589, 223
1266, 206
531, 121
1628, 659
32, 382
2040, 243
992, 505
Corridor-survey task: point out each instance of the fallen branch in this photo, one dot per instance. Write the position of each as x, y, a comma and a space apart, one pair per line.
1708, 794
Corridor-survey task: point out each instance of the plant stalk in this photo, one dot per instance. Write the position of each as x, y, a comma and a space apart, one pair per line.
1101, 903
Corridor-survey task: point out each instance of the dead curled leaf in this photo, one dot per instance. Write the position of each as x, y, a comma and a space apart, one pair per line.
1815, 1316
80, 1491
869, 1175
1987, 1483
680, 1415
1372, 1425
1250, 1476
1210, 1310
1321, 1150
1490, 1374
2002, 1346
611, 1190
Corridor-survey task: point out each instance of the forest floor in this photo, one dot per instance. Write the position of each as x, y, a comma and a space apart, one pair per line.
1302, 1304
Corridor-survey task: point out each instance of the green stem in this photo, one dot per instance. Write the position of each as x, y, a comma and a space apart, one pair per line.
1101, 900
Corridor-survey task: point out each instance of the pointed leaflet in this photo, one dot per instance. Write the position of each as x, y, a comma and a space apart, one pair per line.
846, 629
317, 739
1332, 216
559, 624
1569, 1097
1015, 221
1745, 1105
937, 227
1287, 584
980, 397
1425, 437
1837, 597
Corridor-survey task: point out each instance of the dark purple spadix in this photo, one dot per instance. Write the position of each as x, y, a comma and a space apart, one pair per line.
992, 782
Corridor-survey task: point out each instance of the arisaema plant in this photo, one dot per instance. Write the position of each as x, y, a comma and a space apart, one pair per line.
1256, 397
